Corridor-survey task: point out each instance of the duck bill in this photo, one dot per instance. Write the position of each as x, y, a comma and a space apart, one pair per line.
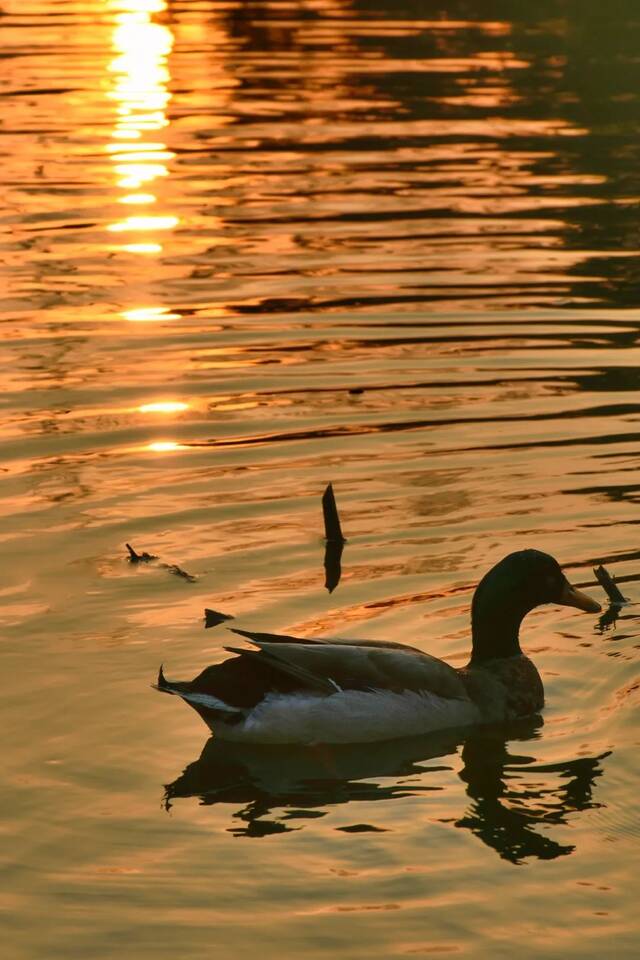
571, 597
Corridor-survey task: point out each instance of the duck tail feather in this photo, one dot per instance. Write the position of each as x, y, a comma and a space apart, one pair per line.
163, 684
242, 651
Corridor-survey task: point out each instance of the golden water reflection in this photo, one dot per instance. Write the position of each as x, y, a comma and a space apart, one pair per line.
163, 446
139, 78
164, 406
149, 314
376, 250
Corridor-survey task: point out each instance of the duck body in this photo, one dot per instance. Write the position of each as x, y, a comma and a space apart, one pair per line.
302, 690
327, 691
347, 716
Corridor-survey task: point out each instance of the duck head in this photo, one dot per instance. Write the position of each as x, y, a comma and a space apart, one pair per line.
508, 592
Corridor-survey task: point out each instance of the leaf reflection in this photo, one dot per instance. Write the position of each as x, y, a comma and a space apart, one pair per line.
275, 788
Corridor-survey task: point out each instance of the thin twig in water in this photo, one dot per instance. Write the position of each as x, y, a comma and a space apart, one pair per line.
609, 585
145, 557
139, 557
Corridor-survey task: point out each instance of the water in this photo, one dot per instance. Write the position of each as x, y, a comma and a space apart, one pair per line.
250, 248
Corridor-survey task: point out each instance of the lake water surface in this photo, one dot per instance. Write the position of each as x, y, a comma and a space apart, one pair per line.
247, 249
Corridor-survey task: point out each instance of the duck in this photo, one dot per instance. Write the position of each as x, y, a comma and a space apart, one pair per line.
303, 690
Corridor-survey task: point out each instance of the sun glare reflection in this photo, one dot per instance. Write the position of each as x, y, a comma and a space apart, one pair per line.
163, 446
134, 198
139, 85
164, 406
149, 314
143, 223
148, 248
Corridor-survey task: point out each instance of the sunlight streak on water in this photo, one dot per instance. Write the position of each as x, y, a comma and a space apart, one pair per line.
163, 406
163, 446
149, 314
140, 89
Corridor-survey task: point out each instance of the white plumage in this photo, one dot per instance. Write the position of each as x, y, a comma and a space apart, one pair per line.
350, 716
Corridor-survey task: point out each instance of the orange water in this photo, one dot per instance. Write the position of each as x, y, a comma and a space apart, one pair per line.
249, 248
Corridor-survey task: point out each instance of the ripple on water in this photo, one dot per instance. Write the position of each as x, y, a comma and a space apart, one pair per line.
251, 249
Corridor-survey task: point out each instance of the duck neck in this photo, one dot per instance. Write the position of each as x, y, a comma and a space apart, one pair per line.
495, 633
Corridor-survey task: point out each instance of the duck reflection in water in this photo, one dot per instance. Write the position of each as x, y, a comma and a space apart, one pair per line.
513, 799
511, 795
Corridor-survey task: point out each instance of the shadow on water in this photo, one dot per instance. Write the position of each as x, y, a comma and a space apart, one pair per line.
512, 799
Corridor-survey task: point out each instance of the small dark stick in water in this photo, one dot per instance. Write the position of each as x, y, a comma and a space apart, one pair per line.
609, 585
332, 529
179, 572
171, 567
139, 557
334, 540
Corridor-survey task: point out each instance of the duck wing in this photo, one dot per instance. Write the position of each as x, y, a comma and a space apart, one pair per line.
363, 665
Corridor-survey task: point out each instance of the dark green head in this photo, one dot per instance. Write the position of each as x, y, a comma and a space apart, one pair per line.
510, 590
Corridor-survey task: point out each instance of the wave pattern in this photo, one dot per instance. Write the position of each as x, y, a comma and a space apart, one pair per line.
249, 248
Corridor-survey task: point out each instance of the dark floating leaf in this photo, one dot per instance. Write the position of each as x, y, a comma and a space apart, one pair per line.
607, 582
361, 828
213, 617
332, 564
332, 529
139, 557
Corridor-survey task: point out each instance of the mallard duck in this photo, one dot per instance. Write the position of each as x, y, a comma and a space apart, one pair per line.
295, 690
